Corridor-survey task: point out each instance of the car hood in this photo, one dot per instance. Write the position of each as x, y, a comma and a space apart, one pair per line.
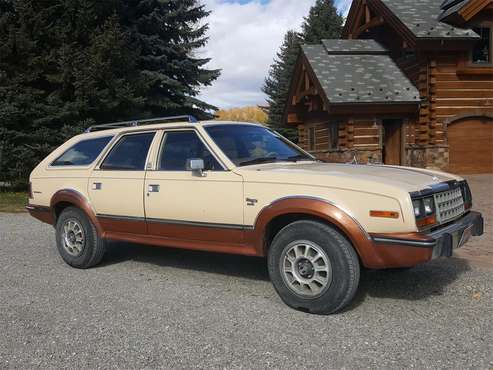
349, 176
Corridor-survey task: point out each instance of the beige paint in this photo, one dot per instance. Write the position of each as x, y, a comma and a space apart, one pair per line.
219, 197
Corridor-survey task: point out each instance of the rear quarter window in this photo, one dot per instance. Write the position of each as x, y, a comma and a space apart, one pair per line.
83, 153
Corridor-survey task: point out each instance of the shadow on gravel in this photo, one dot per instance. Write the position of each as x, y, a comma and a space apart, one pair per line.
418, 283
241, 266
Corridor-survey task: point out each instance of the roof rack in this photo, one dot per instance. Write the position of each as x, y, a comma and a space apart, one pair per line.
139, 122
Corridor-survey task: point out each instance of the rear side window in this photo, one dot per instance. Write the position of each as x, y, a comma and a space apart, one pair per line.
83, 153
130, 153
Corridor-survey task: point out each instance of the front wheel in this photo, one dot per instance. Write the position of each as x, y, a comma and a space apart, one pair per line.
313, 267
77, 239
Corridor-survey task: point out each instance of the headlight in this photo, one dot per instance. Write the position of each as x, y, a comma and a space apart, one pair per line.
417, 208
424, 211
429, 204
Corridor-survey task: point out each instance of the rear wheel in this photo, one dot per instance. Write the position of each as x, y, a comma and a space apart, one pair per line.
313, 267
77, 239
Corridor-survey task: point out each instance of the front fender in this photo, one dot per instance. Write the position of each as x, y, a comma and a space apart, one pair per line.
321, 209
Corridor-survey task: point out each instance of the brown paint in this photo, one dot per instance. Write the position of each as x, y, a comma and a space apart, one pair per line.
196, 233
78, 200
372, 255
227, 246
41, 213
315, 208
122, 225
249, 242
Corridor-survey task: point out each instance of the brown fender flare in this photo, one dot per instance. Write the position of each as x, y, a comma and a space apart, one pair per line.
321, 209
79, 201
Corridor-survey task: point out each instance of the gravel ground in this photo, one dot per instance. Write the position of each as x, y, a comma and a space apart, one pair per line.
161, 308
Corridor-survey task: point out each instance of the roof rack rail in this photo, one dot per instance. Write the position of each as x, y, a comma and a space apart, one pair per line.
139, 122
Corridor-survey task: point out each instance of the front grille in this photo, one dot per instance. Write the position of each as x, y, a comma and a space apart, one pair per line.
450, 205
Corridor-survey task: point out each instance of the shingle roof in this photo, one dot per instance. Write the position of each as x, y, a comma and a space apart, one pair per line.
357, 77
338, 46
421, 17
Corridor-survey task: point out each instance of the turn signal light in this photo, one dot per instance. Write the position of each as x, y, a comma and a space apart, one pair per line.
384, 214
427, 221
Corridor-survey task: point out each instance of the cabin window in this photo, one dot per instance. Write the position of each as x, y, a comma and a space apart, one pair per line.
333, 135
311, 138
481, 54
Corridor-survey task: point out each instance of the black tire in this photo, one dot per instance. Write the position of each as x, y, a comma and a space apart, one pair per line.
341, 257
92, 248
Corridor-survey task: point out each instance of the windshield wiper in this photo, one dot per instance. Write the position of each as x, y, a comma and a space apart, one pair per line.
298, 157
258, 161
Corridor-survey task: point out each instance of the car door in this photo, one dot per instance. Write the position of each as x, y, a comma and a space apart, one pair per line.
183, 205
116, 186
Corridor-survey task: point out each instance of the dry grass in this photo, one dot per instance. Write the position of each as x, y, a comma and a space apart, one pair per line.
12, 202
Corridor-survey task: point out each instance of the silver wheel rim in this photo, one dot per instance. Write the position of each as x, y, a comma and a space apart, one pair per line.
73, 237
306, 269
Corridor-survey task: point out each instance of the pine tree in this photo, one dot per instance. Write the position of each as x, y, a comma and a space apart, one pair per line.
323, 22
277, 83
66, 64
167, 34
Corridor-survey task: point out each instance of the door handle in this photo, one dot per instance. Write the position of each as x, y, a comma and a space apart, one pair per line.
153, 188
97, 186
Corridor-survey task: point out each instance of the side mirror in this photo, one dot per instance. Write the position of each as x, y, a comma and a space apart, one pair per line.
196, 165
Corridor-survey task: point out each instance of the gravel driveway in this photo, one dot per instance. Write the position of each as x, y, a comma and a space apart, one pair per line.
160, 308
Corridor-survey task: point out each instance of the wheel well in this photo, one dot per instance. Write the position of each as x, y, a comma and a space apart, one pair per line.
278, 223
60, 206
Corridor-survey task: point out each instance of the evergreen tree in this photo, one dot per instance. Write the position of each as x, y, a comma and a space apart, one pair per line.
277, 83
323, 22
67, 64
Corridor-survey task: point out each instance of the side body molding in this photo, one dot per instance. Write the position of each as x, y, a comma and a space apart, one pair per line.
78, 200
316, 207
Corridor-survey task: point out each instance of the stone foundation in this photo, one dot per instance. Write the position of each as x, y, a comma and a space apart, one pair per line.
433, 157
363, 156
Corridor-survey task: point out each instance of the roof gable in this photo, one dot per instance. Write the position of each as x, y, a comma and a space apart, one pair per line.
413, 19
358, 77
421, 17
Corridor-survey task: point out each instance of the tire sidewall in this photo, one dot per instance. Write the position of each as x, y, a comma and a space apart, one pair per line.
90, 238
335, 246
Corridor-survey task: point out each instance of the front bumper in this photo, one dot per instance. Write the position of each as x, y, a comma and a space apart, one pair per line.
406, 250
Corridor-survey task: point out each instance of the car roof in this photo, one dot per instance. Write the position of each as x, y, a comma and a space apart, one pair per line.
161, 126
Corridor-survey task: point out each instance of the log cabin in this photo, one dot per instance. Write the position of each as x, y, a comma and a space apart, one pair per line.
410, 83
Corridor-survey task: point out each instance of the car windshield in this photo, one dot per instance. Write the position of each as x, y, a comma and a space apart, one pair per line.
246, 145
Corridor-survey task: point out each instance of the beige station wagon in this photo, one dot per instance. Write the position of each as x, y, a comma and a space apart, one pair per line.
242, 188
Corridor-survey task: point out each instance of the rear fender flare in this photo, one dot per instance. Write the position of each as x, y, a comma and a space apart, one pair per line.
78, 200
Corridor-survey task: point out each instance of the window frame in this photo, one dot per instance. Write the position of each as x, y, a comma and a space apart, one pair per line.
51, 166
333, 128
162, 139
115, 142
489, 26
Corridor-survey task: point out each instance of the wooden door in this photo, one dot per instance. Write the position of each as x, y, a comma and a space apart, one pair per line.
392, 142
471, 146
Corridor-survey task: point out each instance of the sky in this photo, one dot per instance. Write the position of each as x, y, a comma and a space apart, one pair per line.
244, 36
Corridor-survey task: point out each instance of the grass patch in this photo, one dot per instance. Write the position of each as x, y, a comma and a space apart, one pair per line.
12, 202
